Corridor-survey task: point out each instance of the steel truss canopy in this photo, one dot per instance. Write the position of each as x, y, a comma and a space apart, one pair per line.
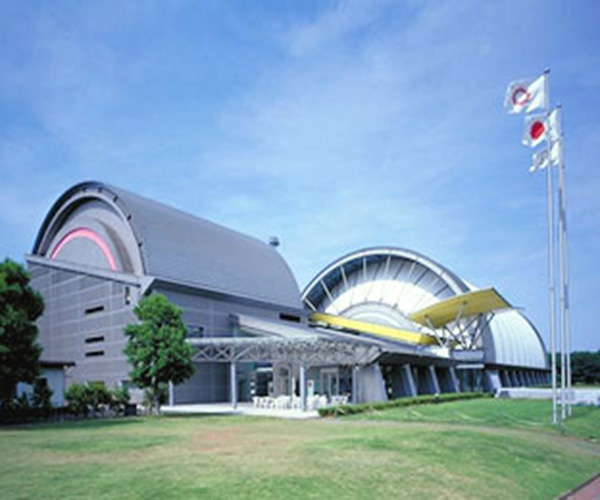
317, 352
462, 306
267, 341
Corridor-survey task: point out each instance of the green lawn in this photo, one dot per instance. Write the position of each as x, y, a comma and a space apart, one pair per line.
387, 454
534, 415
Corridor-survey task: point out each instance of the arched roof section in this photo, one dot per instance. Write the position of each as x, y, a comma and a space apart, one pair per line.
381, 285
145, 237
511, 340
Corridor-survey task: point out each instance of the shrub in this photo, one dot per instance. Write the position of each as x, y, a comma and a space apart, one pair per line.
83, 399
42, 396
336, 411
77, 400
97, 397
119, 399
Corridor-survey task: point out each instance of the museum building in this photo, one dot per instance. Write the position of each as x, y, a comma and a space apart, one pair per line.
376, 324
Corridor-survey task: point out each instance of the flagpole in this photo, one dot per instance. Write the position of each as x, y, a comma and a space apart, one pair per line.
562, 275
551, 257
565, 312
566, 357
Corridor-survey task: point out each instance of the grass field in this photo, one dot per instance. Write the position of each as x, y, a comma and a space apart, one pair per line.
534, 415
474, 449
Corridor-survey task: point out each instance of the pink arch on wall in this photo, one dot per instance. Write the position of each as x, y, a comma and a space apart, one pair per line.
88, 234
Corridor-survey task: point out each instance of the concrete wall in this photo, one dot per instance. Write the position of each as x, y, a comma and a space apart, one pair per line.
371, 387
55, 378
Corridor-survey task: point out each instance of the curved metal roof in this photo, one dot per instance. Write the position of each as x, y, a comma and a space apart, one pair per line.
182, 248
445, 274
385, 284
381, 285
512, 340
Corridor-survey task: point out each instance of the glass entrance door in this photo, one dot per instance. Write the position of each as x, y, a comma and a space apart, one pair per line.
330, 382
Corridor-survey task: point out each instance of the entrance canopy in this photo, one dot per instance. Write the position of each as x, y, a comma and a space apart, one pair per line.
310, 352
261, 340
265, 341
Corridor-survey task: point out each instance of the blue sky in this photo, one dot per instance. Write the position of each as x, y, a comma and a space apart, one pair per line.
334, 125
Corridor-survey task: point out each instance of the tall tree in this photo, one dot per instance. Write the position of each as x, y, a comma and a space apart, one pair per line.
156, 347
20, 306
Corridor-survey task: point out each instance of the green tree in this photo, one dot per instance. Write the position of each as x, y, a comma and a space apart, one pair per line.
585, 367
156, 347
20, 306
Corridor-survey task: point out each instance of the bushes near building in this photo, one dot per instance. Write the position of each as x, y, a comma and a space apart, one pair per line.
338, 411
94, 399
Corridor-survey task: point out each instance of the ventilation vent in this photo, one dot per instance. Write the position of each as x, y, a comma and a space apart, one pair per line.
93, 340
94, 354
94, 309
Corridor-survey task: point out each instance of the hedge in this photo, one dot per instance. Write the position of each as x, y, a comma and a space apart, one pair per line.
341, 410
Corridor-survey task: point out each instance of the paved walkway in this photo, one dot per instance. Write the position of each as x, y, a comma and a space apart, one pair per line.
578, 396
242, 409
590, 490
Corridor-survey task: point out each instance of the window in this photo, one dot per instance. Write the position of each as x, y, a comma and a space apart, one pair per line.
289, 317
93, 340
195, 331
94, 309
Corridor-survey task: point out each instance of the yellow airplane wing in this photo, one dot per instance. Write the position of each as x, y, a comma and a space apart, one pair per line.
386, 332
465, 305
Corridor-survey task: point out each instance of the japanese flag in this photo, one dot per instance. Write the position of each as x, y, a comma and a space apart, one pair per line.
536, 130
525, 95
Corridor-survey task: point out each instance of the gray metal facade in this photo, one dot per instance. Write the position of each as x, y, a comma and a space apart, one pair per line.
101, 248
83, 321
209, 315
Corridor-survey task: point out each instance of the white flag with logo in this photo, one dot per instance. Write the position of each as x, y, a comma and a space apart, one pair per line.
539, 160
525, 95
536, 130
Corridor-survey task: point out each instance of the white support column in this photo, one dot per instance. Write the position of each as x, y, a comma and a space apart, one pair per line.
171, 393
355, 384
454, 379
233, 385
435, 385
302, 387
410, 381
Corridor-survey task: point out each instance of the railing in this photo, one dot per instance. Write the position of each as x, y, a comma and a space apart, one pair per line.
295, 403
